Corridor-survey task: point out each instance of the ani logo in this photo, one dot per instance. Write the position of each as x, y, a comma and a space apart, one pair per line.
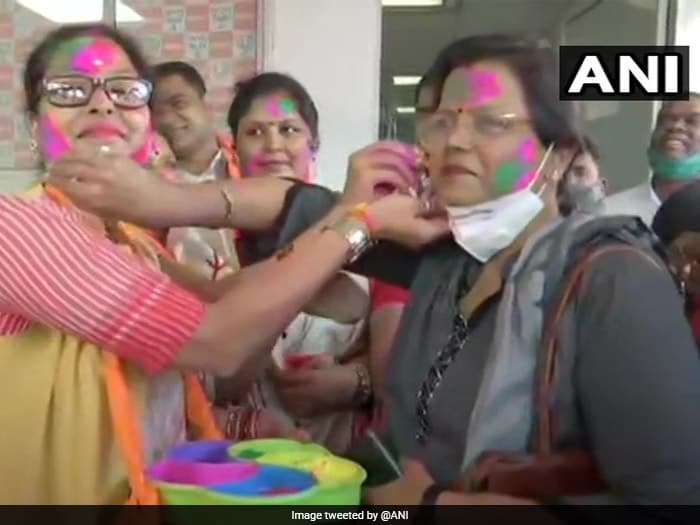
624, 72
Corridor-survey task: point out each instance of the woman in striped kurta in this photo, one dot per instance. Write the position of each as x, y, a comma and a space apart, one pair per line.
84, 307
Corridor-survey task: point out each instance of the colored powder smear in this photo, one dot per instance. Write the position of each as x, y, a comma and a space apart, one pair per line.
507, 176
486, 86
280, 107
94, 55
528, 151
471, 87
518, 174
146, 153
54, 141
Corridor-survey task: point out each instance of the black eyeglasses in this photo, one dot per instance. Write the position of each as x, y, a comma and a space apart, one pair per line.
72, 91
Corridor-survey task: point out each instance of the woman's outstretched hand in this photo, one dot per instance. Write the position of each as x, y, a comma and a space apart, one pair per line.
387, 176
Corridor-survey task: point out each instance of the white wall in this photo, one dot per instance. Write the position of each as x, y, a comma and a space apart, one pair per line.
688, 34
332, 47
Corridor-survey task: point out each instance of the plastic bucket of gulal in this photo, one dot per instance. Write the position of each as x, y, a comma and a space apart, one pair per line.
215, 451
257, 449
272, 485
340, 480
183, 482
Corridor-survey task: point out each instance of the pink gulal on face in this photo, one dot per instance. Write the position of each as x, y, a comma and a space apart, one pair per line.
55, 142
95, 56
472, 86
485, 84
279, 106
146, 152
528, 157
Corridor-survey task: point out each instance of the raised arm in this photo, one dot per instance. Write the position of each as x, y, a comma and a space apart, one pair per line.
56, 271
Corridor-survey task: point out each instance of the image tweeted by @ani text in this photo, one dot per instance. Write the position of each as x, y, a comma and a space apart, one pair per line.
358, 515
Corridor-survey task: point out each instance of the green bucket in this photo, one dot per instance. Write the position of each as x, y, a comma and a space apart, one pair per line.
254, 449
339, 480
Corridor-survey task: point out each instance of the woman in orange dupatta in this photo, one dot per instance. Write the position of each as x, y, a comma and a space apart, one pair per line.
94, 338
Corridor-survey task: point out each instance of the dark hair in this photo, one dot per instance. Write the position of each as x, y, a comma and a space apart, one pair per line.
678, 214
182, 69
589, 146
535, 67
41, 55
426, 81
263, 84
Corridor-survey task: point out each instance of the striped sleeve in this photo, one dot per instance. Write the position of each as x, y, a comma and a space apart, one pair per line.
55, 271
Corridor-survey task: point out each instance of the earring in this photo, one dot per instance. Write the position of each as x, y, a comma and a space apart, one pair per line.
33, 145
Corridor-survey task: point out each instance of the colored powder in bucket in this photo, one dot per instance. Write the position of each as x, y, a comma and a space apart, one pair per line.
251, 454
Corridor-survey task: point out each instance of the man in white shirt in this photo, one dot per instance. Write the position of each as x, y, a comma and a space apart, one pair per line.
674, 158
202, 155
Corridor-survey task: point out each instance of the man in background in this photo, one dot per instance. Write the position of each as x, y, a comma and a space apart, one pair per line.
582, 187
674, 159
202, 155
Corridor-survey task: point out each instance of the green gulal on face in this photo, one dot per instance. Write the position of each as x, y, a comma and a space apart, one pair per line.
63, 56
508, 175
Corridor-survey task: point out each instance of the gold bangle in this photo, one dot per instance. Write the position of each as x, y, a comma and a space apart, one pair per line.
228, 200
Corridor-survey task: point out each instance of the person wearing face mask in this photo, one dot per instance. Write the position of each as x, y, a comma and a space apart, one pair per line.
540, 359
674, 160
582, 188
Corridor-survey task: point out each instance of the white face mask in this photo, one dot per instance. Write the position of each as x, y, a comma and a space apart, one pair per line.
485, 229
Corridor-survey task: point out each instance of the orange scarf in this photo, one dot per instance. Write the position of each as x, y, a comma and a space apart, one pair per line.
128, 432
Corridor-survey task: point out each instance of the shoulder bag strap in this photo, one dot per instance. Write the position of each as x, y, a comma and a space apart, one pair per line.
546, 382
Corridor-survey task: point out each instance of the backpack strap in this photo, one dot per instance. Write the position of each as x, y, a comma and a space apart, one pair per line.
548, 375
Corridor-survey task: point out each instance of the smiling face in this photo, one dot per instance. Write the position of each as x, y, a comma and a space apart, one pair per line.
480, 142
57, 128
181, 115
273, 139
677, 131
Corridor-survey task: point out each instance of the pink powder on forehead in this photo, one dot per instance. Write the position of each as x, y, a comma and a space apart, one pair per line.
55, 142
95, 56
279, 107
486, 85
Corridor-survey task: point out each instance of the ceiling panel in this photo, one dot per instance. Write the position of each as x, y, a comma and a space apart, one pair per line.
410, 40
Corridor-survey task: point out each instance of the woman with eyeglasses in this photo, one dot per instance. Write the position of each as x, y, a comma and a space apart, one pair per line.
540, 359
95, 341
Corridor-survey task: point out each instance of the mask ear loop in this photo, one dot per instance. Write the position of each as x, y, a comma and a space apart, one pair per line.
543, 162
